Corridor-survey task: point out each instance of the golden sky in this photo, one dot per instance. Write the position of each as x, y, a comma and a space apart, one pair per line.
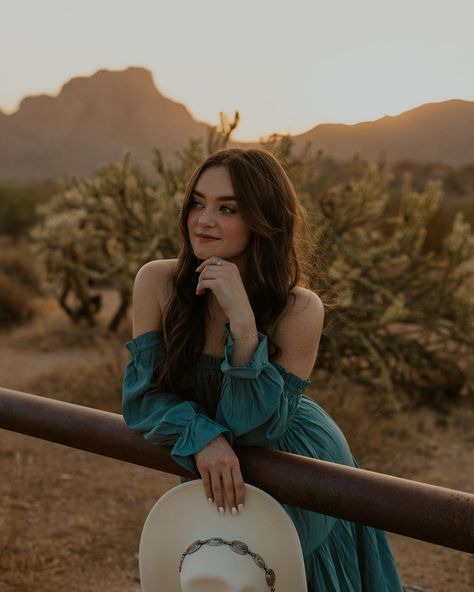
286, 66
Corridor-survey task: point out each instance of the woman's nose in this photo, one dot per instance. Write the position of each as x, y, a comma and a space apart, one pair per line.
207, 217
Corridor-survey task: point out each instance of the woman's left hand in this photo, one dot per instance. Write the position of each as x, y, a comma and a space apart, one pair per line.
226, 284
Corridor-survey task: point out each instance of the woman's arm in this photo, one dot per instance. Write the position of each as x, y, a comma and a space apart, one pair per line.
161, 417
258, 398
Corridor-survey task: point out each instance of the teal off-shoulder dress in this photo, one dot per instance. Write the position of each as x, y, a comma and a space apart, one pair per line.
260, 404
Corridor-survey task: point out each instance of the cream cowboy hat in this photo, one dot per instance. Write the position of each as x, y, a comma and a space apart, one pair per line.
187, 546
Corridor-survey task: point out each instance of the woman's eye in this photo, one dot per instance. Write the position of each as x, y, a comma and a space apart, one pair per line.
227, 209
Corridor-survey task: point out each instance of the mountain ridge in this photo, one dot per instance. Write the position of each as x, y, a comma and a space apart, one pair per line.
94, 119
438, 131
91, 122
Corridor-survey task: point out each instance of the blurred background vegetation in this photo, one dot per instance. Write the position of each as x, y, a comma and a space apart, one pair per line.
392, 258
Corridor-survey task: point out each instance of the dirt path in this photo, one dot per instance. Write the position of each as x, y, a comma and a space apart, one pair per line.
71, 520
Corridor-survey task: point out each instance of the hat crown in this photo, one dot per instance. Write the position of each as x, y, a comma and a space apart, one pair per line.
218, 569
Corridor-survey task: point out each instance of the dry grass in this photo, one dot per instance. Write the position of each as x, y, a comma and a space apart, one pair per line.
20, 280
71, 521
15, 303
18, 263
371, 427
52, 330
92, 386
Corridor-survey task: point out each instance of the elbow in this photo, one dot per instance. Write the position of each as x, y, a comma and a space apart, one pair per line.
129, 413
127, 416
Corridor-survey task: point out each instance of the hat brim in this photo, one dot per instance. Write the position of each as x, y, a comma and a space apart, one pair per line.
183, 515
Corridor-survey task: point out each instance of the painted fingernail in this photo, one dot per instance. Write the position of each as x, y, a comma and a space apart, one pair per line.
241, 507
221, 510
209, 501
234, 511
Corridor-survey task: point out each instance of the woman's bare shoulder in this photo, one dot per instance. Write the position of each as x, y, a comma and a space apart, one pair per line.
161, 268
301, 300
299, 331
304, 298
151, 292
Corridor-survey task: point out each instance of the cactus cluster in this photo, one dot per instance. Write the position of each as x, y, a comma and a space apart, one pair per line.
399, 317
100, 230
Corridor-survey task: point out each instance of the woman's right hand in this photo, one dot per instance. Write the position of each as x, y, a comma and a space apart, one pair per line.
219, 468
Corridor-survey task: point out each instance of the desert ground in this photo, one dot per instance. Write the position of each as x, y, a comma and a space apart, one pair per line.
71, 520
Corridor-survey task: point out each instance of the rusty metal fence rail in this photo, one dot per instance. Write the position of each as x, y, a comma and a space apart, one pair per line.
410, 508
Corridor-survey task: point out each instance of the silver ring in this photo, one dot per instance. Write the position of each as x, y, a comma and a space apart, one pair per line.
217, 261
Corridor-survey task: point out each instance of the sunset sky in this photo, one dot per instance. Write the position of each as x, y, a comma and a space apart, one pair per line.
286, 66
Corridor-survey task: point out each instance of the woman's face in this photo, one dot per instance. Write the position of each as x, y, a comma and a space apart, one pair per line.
214, 211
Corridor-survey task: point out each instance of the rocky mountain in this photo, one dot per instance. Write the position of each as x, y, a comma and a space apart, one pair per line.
90, 123
94, 119
434, 132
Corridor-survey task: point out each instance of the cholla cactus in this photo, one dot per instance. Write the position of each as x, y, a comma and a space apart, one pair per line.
174, 175
99, 231
399, 319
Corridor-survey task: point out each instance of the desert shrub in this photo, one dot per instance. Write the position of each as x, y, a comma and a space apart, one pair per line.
457, 185
462, 204
15, 302
18, 206
102, 229
442, 220
18, 264
400, 318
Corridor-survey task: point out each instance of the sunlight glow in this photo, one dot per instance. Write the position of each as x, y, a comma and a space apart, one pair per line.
285, 68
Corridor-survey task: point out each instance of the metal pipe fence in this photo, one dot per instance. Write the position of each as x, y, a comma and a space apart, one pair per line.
410, 508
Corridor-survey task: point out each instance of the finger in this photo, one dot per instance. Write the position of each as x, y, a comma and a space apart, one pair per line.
209, 261
239, 487
217, 490
206, 480
204, 275
210, 274
205, 284
229, 490
204, 264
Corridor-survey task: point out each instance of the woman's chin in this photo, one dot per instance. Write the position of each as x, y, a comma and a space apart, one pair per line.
205, 254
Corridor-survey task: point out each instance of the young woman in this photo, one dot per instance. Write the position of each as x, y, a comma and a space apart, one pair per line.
224, 340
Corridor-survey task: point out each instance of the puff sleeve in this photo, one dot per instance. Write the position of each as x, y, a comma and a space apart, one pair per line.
257, 400
162, 417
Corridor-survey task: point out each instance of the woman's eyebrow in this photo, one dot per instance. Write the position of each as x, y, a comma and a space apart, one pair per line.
222, 198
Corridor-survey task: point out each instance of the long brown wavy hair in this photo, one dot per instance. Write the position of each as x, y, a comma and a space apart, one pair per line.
277, 260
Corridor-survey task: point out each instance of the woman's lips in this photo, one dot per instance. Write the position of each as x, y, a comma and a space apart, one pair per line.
206, 239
